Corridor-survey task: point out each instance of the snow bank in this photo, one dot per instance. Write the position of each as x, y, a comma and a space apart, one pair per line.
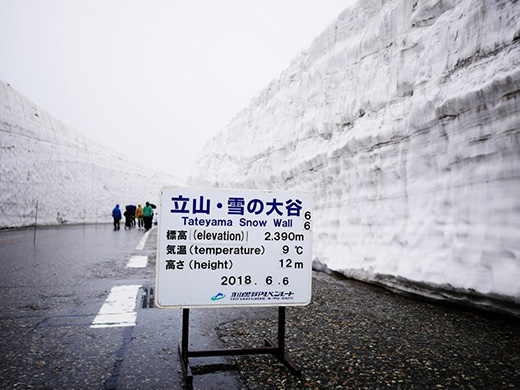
403, 120
71, 178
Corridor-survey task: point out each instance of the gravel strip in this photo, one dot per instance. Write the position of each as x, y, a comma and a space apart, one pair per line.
357, 336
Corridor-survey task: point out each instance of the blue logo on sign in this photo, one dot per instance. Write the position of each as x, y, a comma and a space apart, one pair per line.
218, 297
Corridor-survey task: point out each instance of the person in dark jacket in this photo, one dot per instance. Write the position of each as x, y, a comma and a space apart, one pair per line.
116, 213
129, 216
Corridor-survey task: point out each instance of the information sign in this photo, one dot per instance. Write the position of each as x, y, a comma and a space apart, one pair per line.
233, 248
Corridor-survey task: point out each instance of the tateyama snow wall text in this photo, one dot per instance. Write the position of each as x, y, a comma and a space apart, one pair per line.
71, 178
403, 120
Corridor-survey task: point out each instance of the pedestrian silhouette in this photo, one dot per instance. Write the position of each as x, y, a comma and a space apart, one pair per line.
116, 214
147, 216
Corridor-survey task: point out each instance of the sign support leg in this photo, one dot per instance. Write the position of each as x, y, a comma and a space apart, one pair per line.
183, 347
277, 349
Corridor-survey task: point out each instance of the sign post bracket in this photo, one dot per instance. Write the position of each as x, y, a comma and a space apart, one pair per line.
270, 347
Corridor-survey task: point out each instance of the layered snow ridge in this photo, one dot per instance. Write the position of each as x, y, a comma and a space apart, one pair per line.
403, 121
52, 174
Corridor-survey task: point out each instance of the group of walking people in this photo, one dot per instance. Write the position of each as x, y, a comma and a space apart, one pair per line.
143, 215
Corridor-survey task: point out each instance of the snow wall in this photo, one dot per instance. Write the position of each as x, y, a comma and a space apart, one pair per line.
403, 121
71, 178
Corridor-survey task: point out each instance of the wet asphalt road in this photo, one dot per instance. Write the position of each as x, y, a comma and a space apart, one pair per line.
53, 287
352, 335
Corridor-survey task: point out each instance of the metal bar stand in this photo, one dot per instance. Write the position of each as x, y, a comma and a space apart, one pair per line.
270, 347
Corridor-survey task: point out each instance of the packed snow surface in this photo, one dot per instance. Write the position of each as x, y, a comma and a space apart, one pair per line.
52, 174
403, 121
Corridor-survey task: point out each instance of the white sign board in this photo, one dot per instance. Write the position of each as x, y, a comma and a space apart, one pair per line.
233, 248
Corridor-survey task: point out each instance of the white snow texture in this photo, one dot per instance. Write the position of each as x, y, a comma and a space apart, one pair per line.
403, 121
52, 174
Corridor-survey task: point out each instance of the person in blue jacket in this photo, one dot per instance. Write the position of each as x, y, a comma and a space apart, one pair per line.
116, 213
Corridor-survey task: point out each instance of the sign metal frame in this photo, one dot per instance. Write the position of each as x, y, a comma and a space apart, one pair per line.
247, 235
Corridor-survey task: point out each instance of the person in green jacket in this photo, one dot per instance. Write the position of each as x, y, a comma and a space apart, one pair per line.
147, 216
